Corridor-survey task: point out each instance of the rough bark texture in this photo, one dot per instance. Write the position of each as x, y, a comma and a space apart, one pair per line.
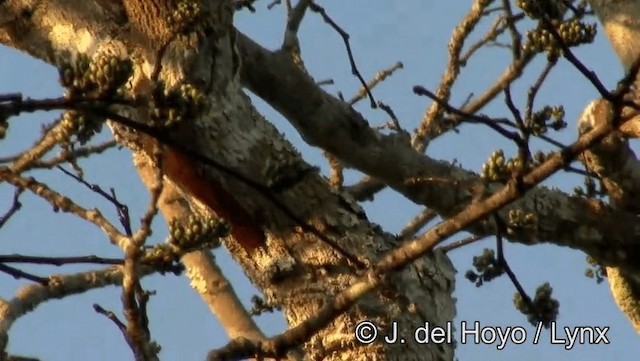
293, 267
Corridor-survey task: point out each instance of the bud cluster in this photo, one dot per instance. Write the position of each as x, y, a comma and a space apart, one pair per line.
519, 220
173, 105
545, 307
499, 169
537, 9
82, 125
547, 117
572, 33
487, 268
104, 75
184, 16
198, 232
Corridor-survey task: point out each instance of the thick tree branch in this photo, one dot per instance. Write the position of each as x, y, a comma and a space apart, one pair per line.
400, 257
613, 161
616, 165
328, 123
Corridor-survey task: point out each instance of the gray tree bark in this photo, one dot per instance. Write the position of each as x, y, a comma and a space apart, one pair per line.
292, 266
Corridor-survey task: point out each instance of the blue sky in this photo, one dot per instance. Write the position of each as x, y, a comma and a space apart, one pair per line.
415, 32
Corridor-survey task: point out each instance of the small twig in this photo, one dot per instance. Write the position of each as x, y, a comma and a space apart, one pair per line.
551, 141
325, 82
515, 111
61, 203
294, 19
461, 243
504, 265
18, 274
523, 139
497, 28
112, 316
66, 155
59, 261
345, 38
380, 76
421, 220
29, 297
419, 90
136, 331
394, 120
122, 209
516, 37
46, 142
533, 91
15, 207
365, 189
143, 298
568, 54
450, 75
152, 210
273, 4
242, 4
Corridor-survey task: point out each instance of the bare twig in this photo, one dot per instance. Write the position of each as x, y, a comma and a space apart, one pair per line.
421, 220
460, 33
18, 274
460, 243
504, 265
523, 138
48, 140
15, 207
134, 298
29, 297
501, 24
152, 210
395, 123
122, 209
113, 317
533, 91
64, 204
325, 82
65, 156
345, 38
294, 19
59, 261
491, 123
380, 76
245, 4
273, 4
516, 37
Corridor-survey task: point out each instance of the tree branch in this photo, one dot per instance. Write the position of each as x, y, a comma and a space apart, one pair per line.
326, 122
